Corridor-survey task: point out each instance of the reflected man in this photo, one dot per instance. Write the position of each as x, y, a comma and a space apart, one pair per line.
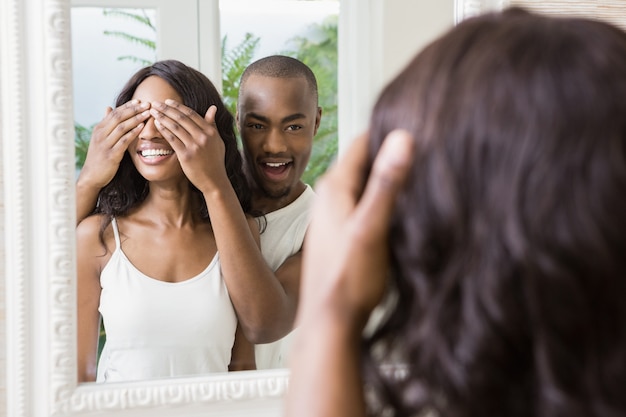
278, 116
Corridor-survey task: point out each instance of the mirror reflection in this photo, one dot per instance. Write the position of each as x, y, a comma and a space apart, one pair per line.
190, 248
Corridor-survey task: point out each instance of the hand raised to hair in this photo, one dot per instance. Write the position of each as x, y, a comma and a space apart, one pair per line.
196, 141
345, 261
110, 139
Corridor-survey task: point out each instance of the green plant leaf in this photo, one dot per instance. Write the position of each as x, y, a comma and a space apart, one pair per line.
234, 62
150, 44
319, 51
142, 18
81, 143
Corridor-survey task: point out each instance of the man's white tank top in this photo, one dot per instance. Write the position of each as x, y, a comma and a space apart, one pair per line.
283, 237
158, 329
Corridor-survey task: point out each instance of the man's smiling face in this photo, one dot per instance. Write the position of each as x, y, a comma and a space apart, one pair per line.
277, 119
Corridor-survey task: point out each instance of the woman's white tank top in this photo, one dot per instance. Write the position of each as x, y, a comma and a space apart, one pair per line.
158, 329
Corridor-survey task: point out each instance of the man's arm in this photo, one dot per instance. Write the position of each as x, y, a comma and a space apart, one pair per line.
242, 354
265, 304
109, 140
86, 199
345, 267
288, 274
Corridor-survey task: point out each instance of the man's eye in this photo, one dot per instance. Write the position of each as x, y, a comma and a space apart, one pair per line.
294, 127
255, 126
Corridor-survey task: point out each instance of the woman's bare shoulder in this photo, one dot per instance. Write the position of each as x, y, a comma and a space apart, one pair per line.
88, 232
90, 224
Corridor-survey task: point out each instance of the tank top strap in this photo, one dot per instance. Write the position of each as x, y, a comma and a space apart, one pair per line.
116, 232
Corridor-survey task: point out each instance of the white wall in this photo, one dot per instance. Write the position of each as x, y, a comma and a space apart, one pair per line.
409, 26
377, 38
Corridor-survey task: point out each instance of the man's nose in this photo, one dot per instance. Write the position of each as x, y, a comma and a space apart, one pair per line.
275, 142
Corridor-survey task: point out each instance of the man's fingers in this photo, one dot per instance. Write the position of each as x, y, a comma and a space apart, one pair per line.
122, 144
172, 138
118, 122
186, 116
389, 172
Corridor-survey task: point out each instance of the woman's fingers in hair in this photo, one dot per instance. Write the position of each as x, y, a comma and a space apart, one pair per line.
376, 194
367, 229
209, 116
387, 177
345, 262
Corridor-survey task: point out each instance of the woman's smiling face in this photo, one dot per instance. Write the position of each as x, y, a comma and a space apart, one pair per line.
152, 155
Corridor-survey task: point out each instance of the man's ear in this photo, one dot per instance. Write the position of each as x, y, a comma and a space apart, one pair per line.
318, 119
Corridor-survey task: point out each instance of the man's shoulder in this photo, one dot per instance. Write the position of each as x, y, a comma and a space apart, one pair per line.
307, 194
300, 207
304, 200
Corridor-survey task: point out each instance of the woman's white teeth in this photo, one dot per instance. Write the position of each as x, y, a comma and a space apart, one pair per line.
275, 164
156, 152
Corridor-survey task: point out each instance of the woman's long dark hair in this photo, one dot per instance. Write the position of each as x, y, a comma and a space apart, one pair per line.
128, 188
508, 244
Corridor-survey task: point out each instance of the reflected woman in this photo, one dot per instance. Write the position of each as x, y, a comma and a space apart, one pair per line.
148, 259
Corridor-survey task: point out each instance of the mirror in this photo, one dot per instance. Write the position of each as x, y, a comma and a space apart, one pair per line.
109, 44
38, 217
